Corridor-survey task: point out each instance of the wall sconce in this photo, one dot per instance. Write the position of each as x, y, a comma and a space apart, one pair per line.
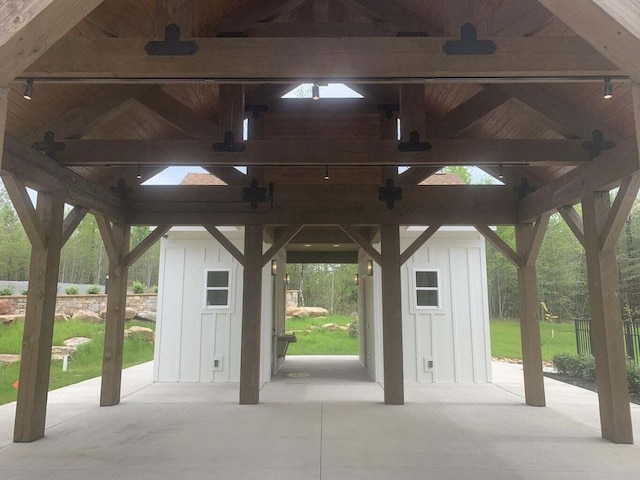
274, 267
369, 268
356, 279
287, 279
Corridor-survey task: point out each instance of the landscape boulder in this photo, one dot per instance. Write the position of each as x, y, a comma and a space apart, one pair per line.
86, 316
332, 327
130, 313
10, 319
146, 315
144, 332
58, 351
8, 358
75, 342
307, 312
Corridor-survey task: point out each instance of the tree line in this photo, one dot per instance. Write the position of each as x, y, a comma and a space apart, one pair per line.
83, 258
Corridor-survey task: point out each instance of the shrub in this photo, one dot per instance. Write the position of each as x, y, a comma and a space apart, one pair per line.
154, 289
93, 289
72, 290
354, 328
25, 292
6, 307
566, 363
6, 291
633, 377
138, 287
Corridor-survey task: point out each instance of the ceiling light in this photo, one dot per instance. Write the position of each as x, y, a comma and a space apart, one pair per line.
500, 172
608, 88
336, 245
28, 89
307, 244
326, 172
139, 173
315, 91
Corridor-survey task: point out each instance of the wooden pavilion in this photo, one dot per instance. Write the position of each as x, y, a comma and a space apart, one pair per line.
121, 89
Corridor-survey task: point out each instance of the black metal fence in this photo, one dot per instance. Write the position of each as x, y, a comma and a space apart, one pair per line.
630, 330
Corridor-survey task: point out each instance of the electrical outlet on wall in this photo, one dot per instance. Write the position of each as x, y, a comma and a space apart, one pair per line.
428, 363
217, 363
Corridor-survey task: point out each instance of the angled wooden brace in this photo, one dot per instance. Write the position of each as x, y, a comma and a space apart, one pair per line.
226, 244
25, 210
145, 244
417, 243
363, 243
285, 238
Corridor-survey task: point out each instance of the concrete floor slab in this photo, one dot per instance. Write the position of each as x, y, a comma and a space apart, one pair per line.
326, 421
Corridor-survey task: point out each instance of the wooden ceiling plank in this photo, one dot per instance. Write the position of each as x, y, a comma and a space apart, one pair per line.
249, 13
394, 12
44, 174
90, 114
322, 30
235, 59
610, 26
320, 152
28, 28
177, 113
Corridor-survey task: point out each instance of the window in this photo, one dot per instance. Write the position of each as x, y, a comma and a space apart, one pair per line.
427, 289
217, 293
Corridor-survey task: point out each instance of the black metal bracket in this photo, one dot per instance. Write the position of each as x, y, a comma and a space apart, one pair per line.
121, 190
390, 194
171, 45
524, 189
49, 146
255, 194
256, 110
412, 34
389, 109
414, 144
232, 34
597, 145
229, 145
469, 43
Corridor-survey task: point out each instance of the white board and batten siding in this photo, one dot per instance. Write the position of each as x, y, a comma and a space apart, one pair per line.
196, 342
447, 342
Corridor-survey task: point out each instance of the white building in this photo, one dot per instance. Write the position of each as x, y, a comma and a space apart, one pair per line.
445, 311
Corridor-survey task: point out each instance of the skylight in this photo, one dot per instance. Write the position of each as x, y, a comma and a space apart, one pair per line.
332, 90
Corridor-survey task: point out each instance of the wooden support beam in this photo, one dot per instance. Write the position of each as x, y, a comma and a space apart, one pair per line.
324, 205
413, 116
281, 242
226, 243
610, 26
396, 13
45, 174
71, 222
229, 175
363, 243
620, 209
526, 246
25, 210
294, 59
415, 175
28, 28
500, 245
116, 242
574, 222
606, 323
602, 173
145, 244
230, 111
249, 13
177, 113
418, 243
390, 264
35, 364
536, 238
251, 316
322, 30
4, 99
320, 152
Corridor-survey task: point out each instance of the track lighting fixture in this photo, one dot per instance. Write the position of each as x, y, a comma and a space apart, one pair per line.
326, 172
315, 91
608, 88
139, 172
500, 172
28, 89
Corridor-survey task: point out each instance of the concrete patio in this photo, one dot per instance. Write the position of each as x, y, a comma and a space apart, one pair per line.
319, 419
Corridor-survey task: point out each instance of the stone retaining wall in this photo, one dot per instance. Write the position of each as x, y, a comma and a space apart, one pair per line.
67, 304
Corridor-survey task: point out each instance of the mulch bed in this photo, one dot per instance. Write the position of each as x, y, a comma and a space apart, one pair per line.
584, 383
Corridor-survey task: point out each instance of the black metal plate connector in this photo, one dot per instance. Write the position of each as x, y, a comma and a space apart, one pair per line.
469, 43
171, 45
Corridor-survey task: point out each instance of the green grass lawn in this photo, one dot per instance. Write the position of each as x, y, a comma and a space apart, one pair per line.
321, 341
86, 362
505, 339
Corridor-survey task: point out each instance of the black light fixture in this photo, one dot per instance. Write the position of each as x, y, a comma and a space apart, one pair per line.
287, 279
315, 91
369, 268
500, 172
326, 172
139, 172
356, 279
608, 88
28, 89
274, 267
